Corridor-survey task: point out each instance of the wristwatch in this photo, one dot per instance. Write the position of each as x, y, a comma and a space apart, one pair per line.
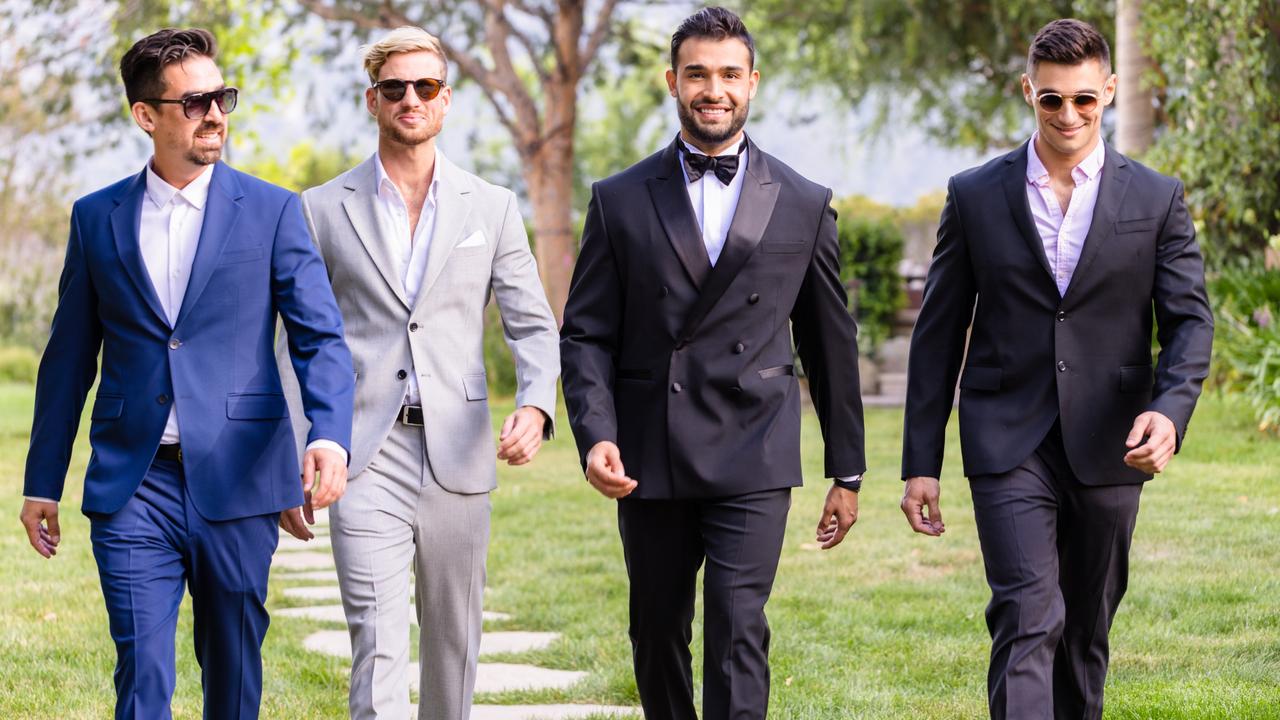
851, 483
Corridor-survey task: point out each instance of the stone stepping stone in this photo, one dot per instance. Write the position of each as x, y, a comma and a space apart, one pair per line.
501, 677
302, 560
313, 592
338, 642
545, 712
289, 543
329, 576
334, 613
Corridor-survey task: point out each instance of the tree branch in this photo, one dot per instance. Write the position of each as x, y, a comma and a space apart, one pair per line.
498, 8
597, 36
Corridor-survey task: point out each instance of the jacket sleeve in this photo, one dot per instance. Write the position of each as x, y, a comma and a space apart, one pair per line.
826, 339
67, 371
590, 334
937, 345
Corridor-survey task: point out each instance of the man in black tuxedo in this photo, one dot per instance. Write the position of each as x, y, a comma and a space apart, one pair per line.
697, 266
1066, 248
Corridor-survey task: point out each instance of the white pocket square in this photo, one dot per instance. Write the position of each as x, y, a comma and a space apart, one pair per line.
475, 239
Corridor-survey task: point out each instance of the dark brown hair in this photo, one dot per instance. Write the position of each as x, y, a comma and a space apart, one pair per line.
715, 23
1068, 42
143, 66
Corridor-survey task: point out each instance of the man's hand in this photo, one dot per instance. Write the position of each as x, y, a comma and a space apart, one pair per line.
294, 524
1161, 437
324, 475
918, 497
605, 471
839, 513
41, 521
521, 435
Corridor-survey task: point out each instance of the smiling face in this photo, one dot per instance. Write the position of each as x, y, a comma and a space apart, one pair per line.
1068, 135
713, 85
410, 121
179, 140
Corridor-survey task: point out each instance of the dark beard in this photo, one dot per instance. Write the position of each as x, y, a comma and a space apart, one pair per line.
707, 137
205, 157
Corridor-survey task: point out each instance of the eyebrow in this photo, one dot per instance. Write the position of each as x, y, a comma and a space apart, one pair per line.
727, 68
1043, 90
223, 86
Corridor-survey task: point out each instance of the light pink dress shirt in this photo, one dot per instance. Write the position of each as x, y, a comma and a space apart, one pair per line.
1063, 234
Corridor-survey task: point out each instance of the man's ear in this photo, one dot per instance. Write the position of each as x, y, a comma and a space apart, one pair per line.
143, 115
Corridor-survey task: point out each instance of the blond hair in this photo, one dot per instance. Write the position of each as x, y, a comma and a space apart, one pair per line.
402, 40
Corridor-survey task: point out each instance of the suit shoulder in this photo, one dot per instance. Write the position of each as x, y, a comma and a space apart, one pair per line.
789, 176
485, 191
1149, 177
633, 177
984, 175
103, 197
333, 188
257, 187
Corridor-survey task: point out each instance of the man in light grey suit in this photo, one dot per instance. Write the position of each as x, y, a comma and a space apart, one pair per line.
414, 248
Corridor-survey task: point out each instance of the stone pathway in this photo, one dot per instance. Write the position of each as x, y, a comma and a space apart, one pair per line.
312, 561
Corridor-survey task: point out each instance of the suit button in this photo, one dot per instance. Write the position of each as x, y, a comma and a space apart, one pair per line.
1061, 316
737, 349
413, 327
755, 298
174, 344
676, 387
400, 374
664, 291
1062, 366
162, 399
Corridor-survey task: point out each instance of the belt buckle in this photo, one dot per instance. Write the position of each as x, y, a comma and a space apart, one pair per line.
179, 454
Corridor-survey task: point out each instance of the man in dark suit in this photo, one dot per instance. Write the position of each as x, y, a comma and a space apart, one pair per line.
177, 275
697, 265
1066, 248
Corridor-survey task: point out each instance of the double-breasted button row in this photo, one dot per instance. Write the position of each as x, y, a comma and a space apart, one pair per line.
1062, 366
401, 374
1062, 316
753, 298
676, 387
739, 348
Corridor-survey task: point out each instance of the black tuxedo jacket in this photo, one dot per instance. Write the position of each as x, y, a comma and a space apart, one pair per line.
1035, 356
688, 368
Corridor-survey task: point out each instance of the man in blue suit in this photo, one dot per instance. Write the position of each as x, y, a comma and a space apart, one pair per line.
177, 276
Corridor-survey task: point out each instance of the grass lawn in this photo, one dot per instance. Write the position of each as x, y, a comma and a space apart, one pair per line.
889, 625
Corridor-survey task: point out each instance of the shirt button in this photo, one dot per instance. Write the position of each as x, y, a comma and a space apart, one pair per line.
1062, 366
401, 374
737, 349
676, 387
162, 399
755, 298
174, 344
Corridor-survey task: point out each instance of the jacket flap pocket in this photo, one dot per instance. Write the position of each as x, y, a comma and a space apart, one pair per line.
776, 371
239, 255
1140, 225
476, 387
259, 406
981, 378
107, 407
1136, 378
784, 247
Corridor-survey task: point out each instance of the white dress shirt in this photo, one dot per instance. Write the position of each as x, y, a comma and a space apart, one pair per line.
1062, 233
408, 245
714, 203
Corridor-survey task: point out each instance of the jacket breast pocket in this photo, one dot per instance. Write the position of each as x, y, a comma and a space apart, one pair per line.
230, 256
256, 406
1140, 225
976, 377
107, 407
1136, 378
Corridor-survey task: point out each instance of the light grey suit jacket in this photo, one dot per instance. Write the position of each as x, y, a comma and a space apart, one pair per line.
440, 336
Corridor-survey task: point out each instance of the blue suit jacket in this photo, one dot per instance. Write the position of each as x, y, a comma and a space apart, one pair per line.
255, 260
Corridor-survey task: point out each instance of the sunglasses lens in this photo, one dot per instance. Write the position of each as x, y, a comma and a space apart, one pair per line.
392, 90
427, 89
1085, 102
227, 99
1050, 102
196, 107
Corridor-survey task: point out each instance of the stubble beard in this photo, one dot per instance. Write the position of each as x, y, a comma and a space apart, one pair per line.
705, 136
200, 156
413, 138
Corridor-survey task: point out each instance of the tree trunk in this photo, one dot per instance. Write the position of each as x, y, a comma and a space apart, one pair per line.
548, 173
1135, 122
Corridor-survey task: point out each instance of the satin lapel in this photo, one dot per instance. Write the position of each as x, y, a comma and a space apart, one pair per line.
755, 208
1015, 193
361, 209
671, 201
1115, 181
221, 211
453, 205
126, 222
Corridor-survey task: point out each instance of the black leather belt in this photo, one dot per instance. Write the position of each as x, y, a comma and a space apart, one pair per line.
172, 453
411, 415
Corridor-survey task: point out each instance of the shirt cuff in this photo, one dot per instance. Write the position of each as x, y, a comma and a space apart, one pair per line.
38, 499
849, 482
323, 444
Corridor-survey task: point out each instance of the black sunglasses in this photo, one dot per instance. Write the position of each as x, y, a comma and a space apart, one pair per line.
426, 88
197, 106
1053, 102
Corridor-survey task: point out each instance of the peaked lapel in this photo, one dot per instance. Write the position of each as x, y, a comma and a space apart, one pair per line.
126, 226
221, 211
361, 207
1015, 193
755, 208
453, 205
675, 212
1115, 181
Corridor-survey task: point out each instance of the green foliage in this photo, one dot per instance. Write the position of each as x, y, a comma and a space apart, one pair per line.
499, 365
1247, 342
306, 166
870, 251
18, 364
1219, 63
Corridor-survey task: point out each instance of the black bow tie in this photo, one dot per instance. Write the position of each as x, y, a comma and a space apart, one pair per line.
724, 166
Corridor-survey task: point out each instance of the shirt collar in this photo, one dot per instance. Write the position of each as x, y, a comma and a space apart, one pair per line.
1087, 170
196, 193
386, 185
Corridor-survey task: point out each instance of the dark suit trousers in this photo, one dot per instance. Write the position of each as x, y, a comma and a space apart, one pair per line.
1057, 560
146, 551
665, 542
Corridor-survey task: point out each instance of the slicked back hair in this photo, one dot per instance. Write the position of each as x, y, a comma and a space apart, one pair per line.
402, 40
713, 23
1068, 42
142, 68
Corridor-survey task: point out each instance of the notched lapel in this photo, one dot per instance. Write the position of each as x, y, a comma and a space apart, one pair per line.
1115, 182
671, 201
126, 226
221, 211
453, 205
361, 210
1015, 194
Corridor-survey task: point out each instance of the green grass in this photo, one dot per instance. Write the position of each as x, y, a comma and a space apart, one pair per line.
889, 625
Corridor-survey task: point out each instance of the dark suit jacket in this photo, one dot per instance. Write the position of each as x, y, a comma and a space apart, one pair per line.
254, 261
688, 368
1035, 356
